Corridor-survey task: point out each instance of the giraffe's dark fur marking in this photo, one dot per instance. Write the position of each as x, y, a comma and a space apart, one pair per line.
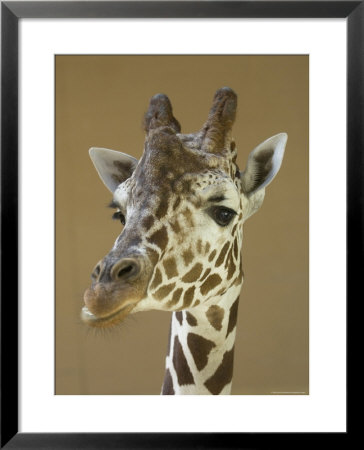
223, 375
175, 297
215, 315
233, 315
200, 348
191, 319
179, 317
199, 246
193, 274
210, 283
187, 256
163, 291
162, 208
175, 226
189, 217
159, 238
231, 268
207, 271
167, 384
212, 255
236, 248
180, 364
222, 255
188, 297
170, 267
148, 222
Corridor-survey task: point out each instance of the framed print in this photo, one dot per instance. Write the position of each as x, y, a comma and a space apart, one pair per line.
77, 75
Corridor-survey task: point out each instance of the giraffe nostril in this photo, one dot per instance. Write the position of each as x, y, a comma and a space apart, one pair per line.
126, 269
96, 272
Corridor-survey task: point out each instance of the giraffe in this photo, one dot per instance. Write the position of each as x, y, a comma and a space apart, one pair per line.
182, 207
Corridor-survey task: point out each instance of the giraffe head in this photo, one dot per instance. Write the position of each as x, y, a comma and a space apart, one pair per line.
182, 207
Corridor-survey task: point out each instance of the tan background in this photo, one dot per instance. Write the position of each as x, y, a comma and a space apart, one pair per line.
100, 101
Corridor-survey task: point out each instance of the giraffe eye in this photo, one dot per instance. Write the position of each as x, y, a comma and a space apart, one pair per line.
119, 216
221, 215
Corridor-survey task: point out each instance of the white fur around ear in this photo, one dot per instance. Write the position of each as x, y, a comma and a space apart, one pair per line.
263, 163
113, 167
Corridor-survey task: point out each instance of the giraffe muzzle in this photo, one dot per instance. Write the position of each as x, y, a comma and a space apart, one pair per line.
117, 287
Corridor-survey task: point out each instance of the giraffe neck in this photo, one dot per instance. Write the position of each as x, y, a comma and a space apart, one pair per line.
201, 347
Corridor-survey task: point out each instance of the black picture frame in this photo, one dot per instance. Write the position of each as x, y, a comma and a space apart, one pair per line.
11, 12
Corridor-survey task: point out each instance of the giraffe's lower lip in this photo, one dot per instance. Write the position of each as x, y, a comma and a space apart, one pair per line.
105, 321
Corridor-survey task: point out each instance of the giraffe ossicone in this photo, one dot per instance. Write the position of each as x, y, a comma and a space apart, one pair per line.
183, 205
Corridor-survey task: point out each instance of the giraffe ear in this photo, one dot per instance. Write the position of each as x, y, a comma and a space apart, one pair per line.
263, 164
113, 167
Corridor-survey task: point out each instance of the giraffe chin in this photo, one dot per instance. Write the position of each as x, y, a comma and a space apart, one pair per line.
106, 321
106, 306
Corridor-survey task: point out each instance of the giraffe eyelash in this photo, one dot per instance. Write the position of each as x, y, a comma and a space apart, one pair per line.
118, 215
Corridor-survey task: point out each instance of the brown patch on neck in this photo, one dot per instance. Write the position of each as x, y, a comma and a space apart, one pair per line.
223, 374
215, 316
193, 274
210, 283
183, 372
179, 317
167, 384
200, 349
233, 315
191, 320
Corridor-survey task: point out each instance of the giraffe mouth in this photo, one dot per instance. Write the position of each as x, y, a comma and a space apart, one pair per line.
105, 321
